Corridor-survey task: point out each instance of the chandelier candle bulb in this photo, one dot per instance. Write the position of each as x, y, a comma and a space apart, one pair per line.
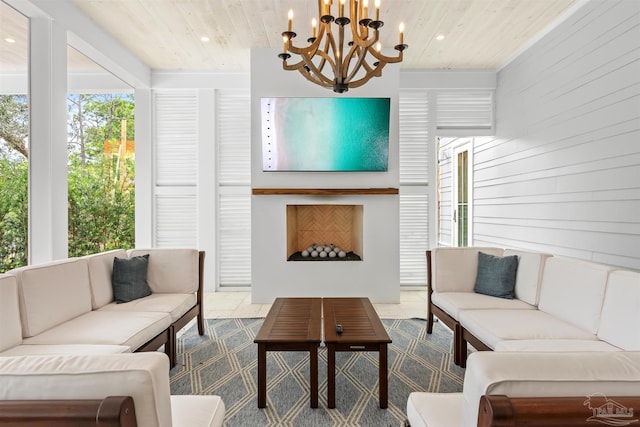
327, 8
365, 5
285, 42
377, 10
401, 28
341, 9
290, 15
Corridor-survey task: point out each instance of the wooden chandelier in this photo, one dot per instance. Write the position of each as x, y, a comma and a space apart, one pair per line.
326, 61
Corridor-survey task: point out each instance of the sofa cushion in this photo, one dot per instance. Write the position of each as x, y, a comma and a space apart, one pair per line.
142, 376
455, 269
621, 310
434, 409
11, 334
59, 349
171, 270
557, 344
529, 275
197, 411
132, 329
531, 374
100, 270
496, 275
453, 302
573, 290
174, 304
53, 293
493, 326
129, 278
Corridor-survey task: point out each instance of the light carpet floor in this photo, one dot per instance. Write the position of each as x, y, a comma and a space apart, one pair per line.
224, 362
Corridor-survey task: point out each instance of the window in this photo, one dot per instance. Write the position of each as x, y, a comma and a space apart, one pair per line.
101, 163
14, 139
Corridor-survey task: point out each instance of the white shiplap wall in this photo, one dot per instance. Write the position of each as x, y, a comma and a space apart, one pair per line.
563, 173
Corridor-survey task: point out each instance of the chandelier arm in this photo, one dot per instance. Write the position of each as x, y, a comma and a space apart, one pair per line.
374, 72
362, 53
383, 58
314, 79
318, 73
317, 70
324, 54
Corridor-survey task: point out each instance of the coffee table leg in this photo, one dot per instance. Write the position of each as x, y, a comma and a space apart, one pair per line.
313, 374
262, 375
331, 375
382, 381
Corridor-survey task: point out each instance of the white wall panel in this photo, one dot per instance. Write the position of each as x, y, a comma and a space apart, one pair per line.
562, 173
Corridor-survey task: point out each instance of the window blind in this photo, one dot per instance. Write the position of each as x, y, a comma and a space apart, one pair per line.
464, 109
176, 138
176, 169
233, 139
414, 175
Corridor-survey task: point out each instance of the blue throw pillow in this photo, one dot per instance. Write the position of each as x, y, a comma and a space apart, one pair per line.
496, 275
129, 278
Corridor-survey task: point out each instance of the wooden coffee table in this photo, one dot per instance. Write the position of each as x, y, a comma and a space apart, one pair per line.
362, 330
292, 324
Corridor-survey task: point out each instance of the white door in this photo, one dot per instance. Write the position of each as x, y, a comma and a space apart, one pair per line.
462, 194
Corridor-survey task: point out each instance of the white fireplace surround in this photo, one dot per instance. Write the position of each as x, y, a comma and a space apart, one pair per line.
375, 277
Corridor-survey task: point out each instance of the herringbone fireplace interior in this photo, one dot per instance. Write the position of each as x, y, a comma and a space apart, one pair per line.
328, 226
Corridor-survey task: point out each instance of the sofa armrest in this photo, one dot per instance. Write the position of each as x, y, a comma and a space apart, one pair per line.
544, 374
503, 411
112, 411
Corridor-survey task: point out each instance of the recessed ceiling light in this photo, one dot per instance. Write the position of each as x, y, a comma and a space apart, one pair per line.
440, 37
10, 40
204, 39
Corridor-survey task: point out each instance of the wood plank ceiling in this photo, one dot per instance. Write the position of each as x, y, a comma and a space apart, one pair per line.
166, 34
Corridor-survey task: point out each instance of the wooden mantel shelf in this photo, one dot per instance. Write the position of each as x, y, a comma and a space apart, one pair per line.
322, 191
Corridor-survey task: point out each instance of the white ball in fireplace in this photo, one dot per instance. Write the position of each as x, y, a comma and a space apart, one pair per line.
323, 254
332, 254
342, 254
327, 249
305, 253
314, 254
310, 249
336, 250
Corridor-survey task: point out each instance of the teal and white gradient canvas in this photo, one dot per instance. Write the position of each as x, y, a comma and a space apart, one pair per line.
325, 134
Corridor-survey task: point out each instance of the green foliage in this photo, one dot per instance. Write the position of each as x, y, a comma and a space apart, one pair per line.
101, 197
13, 213
101, 207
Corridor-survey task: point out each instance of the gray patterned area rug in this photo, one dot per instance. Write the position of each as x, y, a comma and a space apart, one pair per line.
224, 362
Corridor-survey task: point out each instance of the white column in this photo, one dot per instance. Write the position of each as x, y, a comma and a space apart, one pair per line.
144, 168
48, 234
207, 188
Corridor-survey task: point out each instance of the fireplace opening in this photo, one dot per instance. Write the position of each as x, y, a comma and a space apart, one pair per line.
324, 232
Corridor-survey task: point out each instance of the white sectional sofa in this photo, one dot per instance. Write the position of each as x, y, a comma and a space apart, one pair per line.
560, 304
67, 306
70, 379
63, 337
570, 329
533, 374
